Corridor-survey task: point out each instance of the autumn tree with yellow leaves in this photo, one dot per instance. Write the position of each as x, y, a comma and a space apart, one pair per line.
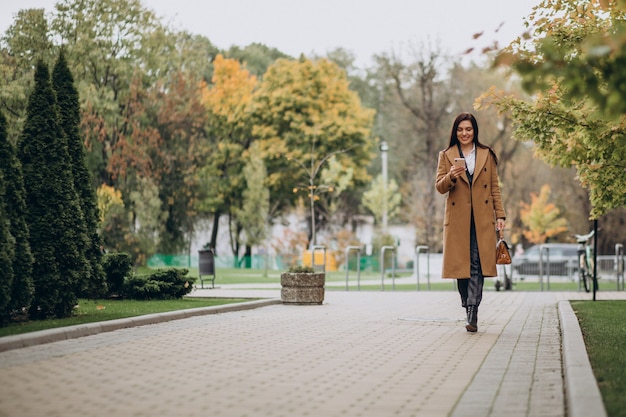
304, 111
228, 104
542, 219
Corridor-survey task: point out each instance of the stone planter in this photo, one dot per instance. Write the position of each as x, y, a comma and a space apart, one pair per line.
302, 287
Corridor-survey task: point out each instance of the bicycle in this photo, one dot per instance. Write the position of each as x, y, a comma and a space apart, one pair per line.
585, 259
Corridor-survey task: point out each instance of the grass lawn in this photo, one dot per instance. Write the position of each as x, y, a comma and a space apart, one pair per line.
226, 276
89, 311
604, 330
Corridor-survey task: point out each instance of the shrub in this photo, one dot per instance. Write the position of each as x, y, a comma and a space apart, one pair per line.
117, 266
302, 269
162, 284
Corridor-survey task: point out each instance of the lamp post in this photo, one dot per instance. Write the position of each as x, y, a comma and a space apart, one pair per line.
383, 153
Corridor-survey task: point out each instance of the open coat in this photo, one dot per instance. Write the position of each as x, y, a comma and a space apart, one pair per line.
484, 198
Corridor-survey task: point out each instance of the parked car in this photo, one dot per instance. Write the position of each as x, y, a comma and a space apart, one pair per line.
562, 257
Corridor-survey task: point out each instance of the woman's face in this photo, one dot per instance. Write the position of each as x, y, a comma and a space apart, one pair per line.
465, 133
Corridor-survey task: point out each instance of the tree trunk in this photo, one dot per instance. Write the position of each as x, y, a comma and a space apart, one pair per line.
216, 222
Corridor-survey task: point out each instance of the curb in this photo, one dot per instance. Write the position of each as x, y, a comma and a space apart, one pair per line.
71, 332
582, 394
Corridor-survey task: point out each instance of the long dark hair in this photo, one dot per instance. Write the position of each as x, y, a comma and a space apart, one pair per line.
454, 140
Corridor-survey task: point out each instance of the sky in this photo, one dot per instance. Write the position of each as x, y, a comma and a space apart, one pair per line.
364, 27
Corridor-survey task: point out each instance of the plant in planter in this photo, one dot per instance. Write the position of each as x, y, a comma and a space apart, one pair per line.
302, 285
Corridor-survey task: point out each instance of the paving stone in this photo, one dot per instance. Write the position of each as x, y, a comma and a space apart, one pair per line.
376, 354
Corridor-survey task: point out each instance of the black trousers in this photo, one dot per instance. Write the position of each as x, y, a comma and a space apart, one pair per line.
471, 289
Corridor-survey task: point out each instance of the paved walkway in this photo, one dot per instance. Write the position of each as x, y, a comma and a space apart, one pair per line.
377, 354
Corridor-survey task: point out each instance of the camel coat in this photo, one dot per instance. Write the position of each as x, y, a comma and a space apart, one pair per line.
484, 199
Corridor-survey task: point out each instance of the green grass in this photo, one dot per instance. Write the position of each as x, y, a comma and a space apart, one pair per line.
89, 311
226, 276
604, 330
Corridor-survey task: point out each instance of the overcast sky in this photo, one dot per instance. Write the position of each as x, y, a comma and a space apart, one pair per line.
365, 27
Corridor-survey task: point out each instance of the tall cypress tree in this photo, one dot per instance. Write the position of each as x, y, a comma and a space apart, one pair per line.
69, 111
57, 226
7, 246
15, 210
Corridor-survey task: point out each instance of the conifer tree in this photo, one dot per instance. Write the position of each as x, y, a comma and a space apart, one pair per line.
69, 112
57, 226
7, 252
14, 206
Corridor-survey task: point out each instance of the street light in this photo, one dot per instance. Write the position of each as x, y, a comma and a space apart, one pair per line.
383, 152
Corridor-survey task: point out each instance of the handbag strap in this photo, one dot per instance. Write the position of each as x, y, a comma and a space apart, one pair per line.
501, 234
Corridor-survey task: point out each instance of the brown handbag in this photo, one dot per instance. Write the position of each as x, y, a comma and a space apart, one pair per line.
503, 257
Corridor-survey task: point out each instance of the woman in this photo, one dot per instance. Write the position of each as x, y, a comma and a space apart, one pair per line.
473, 213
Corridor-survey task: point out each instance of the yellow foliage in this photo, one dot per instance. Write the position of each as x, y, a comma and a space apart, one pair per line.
107, 198
541, 218
231, 91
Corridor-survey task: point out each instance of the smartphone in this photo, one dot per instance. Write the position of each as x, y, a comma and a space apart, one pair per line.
459, 162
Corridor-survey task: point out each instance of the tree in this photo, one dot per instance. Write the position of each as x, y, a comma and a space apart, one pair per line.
134, 168
416, 104
571, 61
148, 221
254, 214
57, 227
542, 219
116, 49
303, 105
256, 57
373, 198
311, 167
228, 103
7, 244
181, 121
108, 198
69, 111
14, 208
25, 41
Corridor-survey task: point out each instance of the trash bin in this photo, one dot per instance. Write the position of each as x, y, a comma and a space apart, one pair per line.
206, 266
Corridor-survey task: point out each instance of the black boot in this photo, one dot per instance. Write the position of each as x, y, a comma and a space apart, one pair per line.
472, 319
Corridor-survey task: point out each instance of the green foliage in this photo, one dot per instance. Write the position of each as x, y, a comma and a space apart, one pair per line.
253, 216
57, 228
7, 252
25, 42
306, 106
302, 269
181, 121
14, 209
162, 284
116, 266
572, 64
147, 207
257, 57
373, 199
69, 110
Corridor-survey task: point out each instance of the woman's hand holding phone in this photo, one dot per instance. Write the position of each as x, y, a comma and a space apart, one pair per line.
458, 168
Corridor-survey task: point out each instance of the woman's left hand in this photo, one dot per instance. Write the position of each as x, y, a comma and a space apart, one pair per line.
500, 224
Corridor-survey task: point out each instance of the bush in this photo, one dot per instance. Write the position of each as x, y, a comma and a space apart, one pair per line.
162, 284
302, 269
117, 266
